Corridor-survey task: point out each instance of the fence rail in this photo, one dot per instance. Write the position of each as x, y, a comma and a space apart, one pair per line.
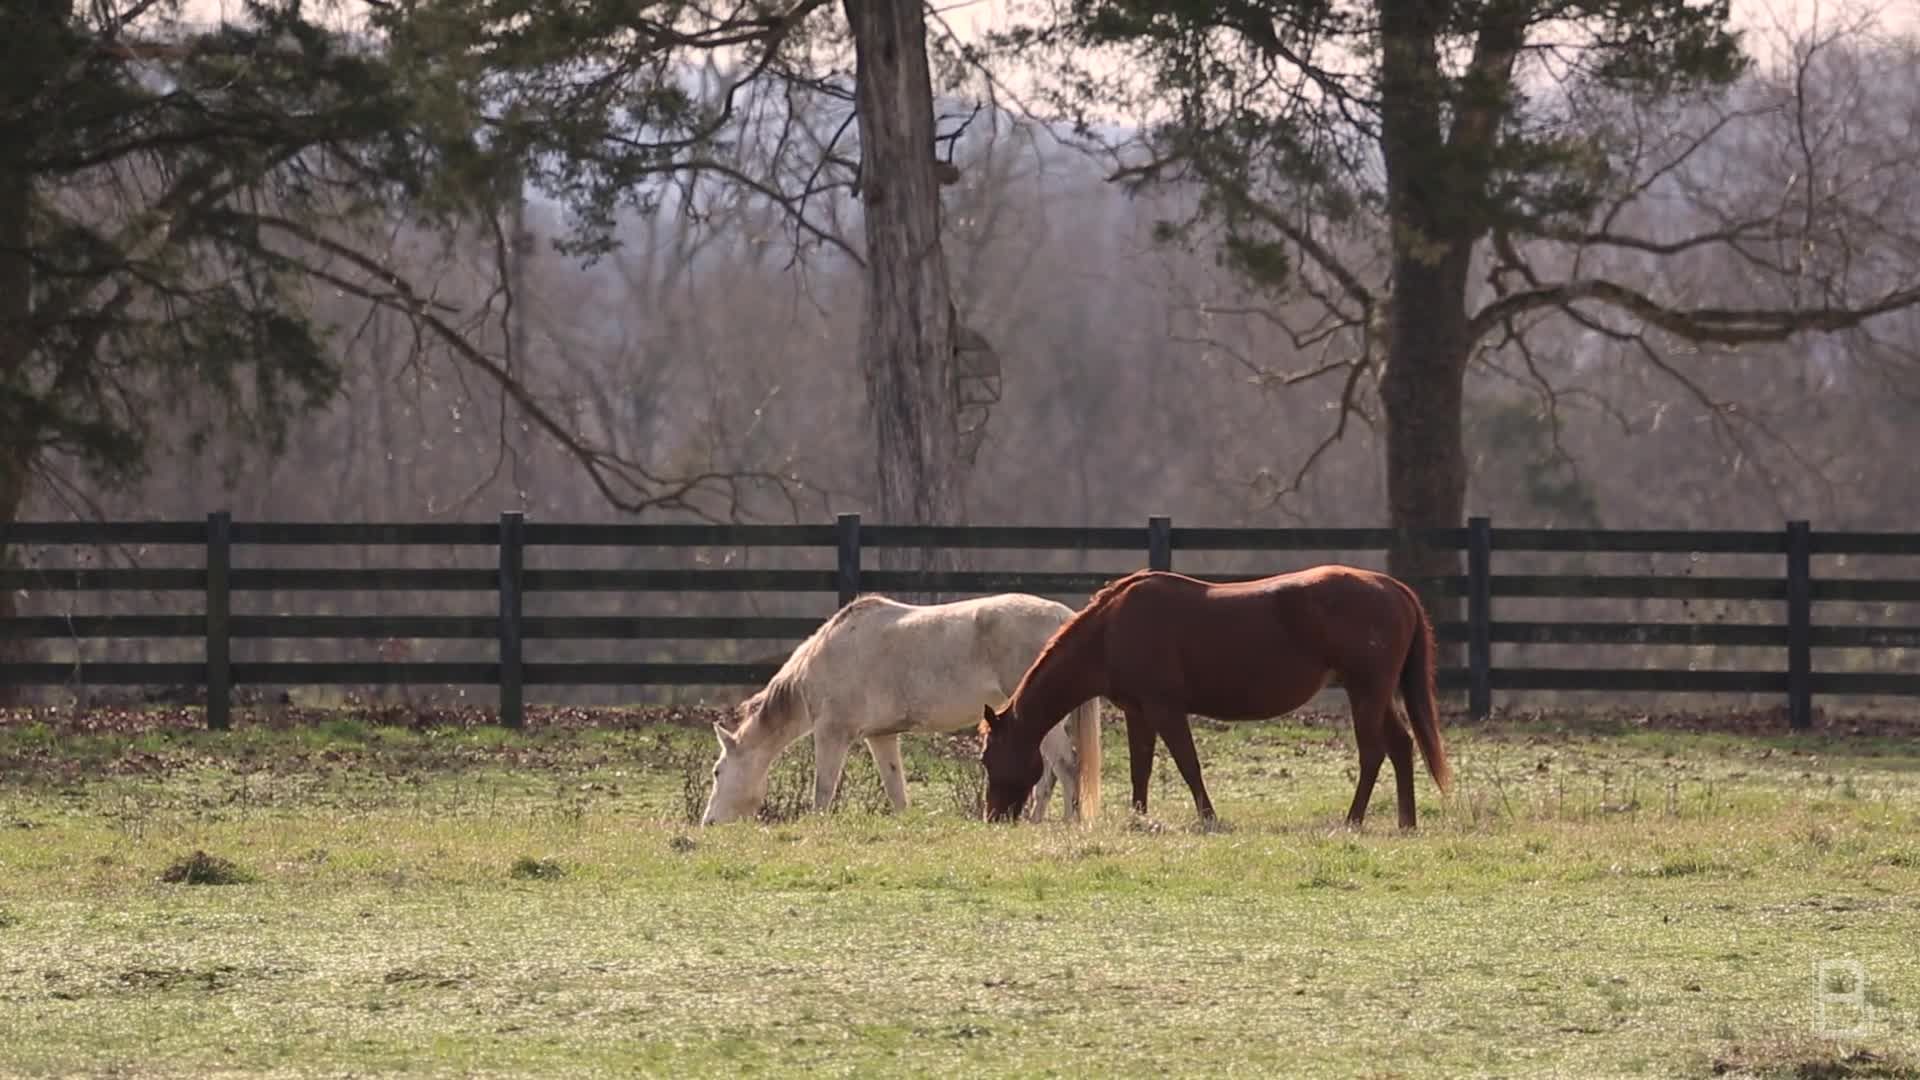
1796, 590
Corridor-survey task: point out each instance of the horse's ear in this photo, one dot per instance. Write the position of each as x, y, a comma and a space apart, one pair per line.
990, 718
727, 741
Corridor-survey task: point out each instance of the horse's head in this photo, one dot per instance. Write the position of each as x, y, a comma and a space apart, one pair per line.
739, 781
1013, 764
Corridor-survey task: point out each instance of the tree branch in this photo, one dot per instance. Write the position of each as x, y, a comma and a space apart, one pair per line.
626, 485
1349, 405
1716, 325
1321, 255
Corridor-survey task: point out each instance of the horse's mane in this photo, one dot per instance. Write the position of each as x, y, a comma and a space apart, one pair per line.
777, 697
1095, 603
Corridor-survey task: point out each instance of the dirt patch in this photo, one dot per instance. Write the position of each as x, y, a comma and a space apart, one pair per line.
218, 977
201, 868
1769, 722
65, 748
161, 978
63, 720
38, 747
528, 868
438, 980
60, 721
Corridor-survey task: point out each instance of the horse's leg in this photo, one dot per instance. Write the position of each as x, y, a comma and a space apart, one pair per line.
1042, 794
886, 759
830, 746
1177, 733
1369, 721
1139, 754
1400, 752
1056, 750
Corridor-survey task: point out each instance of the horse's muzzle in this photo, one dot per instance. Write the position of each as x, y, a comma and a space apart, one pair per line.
1002, 815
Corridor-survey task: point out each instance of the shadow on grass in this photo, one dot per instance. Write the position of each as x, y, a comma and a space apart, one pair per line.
1811, 1060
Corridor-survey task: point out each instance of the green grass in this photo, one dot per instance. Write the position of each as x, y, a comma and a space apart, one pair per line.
470, 901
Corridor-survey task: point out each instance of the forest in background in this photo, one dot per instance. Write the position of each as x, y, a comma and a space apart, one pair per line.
1136, 376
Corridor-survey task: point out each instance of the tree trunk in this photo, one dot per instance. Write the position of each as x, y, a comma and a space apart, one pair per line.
14, 475
29, 60
907, 337
1430, 195
1423, 392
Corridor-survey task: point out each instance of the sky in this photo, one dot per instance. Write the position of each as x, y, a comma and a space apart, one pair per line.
1755, 14
973, 15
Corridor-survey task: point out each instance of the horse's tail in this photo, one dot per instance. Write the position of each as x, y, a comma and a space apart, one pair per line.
1086, 752
1416, 690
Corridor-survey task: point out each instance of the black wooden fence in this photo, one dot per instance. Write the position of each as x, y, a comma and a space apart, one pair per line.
1795, 588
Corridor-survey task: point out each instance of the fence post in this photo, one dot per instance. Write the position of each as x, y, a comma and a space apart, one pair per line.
512, 562
219, 650
1160, 543
1799, 625
846, 529
1479, 617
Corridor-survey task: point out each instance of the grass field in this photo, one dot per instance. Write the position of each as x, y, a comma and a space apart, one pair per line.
1597, 899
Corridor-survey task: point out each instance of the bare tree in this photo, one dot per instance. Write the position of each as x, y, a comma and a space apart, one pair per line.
1435, 178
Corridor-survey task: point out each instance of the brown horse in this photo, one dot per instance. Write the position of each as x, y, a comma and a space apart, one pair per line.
1161, 645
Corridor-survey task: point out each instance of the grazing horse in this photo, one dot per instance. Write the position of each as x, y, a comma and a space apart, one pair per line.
879, 668
1161, 645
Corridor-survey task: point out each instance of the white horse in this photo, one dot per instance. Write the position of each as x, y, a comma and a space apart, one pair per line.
879, 668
